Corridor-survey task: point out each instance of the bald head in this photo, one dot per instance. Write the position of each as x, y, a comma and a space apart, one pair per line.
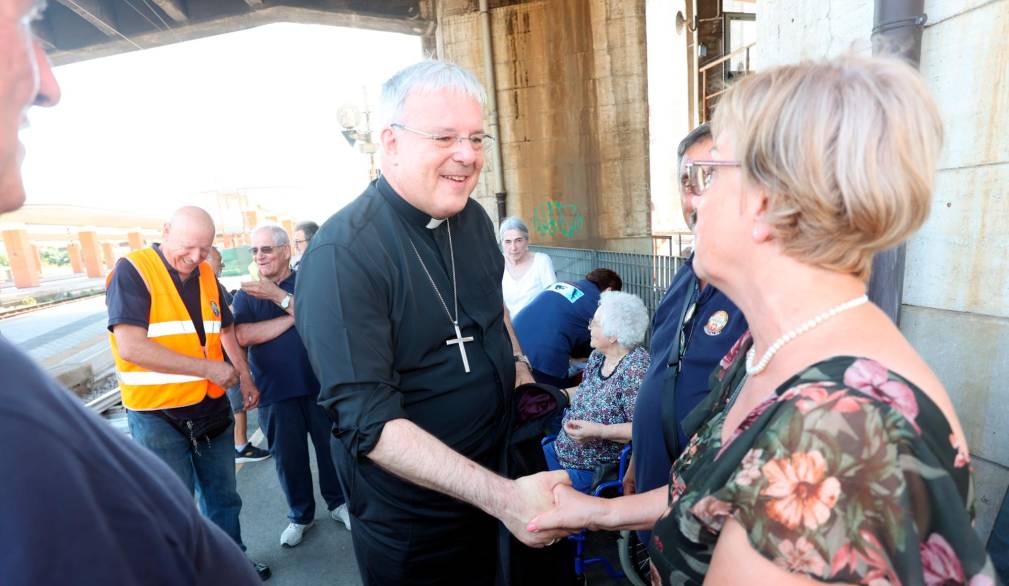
188, 237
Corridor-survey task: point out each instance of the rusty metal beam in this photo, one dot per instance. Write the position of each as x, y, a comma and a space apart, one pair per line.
96, 12
173, 9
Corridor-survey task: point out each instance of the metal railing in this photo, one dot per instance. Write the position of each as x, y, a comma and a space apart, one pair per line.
645, 275
703, 71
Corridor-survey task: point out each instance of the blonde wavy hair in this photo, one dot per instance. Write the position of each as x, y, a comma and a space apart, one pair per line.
845, 149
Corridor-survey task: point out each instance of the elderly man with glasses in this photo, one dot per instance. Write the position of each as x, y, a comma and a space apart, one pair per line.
288, 408
693, 327
400, 307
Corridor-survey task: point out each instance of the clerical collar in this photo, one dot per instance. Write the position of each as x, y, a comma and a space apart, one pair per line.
411, 214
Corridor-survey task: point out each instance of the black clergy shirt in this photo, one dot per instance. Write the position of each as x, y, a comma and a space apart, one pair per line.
375, 330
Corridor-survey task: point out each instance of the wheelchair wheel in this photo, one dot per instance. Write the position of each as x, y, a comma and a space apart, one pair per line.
633, 558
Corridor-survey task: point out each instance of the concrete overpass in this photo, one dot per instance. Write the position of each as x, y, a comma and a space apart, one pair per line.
76, 30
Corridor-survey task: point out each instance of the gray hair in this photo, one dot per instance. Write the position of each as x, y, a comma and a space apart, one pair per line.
280, 236
696, 135
623, 316
430, 75
307, 228
512, 223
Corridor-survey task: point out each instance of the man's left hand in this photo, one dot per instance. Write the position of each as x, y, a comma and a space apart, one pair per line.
522, 374
264, 289
250, 393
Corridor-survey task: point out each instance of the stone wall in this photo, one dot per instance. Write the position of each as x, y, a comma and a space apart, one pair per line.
572, 100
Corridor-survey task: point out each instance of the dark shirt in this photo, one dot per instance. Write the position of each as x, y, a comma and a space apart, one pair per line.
555, 325
376, 335
129, 302
84, 505
279, 366
706, 344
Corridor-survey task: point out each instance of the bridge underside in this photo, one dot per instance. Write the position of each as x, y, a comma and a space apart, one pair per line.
76, 30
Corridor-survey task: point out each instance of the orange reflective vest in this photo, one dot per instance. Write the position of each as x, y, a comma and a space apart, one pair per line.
171, 326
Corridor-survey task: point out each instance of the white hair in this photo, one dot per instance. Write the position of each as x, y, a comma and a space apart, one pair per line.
512, 223
430, 75
623, 316
280, 236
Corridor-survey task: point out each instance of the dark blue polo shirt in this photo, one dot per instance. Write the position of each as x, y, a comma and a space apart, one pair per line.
280, 366
714, 328
555, 325
83, 504
129, 302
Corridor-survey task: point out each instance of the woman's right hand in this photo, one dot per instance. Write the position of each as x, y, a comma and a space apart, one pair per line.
572, 512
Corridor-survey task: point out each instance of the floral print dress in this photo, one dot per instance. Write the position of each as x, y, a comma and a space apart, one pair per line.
847, 473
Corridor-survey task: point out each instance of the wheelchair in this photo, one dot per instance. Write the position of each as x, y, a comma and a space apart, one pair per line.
632, 553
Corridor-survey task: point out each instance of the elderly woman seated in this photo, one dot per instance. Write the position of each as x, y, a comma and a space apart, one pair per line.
827, 450
602, 406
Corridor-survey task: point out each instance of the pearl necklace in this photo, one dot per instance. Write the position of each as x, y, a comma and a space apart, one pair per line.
796, 332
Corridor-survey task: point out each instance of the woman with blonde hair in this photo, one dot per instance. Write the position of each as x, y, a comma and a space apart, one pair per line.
828, 450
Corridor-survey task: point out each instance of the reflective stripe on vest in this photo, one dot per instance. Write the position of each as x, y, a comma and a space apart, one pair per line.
170, 325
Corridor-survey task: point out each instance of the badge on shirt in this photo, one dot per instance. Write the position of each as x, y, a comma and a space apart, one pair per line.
215, 309
566, 290
716, 323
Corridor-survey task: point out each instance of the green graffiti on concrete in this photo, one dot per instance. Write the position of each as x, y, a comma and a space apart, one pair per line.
553, 217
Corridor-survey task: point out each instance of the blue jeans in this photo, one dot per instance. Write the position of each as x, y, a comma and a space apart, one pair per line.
208, 471
581, 480
288, 424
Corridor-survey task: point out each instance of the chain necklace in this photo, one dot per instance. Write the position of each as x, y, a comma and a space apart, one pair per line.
796, 332
459, 339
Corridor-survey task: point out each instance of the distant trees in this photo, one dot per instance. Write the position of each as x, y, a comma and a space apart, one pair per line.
54, 257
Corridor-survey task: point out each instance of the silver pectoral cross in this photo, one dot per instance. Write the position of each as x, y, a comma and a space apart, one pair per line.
458, 339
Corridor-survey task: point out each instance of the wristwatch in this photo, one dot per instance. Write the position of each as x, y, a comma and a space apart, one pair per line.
286, 302
524, 360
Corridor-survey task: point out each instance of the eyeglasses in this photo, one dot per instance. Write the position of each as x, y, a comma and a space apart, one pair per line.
698, 175
264, 249
478, 141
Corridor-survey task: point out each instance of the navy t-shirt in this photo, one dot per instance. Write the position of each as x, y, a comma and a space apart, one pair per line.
715, 326
280, 366
555, 325
83, 504
129, 302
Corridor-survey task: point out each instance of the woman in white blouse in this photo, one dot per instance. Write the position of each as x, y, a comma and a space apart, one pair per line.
526, 273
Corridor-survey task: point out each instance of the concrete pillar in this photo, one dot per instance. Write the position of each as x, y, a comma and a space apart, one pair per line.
74, 252
136, 240
109, 255
251, 219
21, 259
37, 259
92, 253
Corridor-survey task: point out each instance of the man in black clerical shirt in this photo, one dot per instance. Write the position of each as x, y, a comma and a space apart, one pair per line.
401, 311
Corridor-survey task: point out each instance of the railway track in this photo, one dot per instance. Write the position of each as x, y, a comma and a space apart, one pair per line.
47, 304
105, 401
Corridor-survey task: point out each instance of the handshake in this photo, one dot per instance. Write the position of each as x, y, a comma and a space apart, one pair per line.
544, 508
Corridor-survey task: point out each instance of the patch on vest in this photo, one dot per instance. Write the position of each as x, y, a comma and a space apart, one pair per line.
716, 323
215, 309
567, 291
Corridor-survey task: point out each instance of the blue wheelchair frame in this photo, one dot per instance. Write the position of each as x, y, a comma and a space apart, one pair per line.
617, 488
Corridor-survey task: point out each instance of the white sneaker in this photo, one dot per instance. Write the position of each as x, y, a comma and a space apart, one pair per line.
341, 514
294, 533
